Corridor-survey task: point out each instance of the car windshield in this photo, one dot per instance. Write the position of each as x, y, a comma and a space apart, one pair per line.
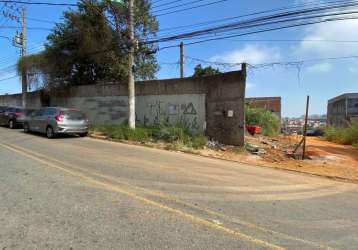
74, 115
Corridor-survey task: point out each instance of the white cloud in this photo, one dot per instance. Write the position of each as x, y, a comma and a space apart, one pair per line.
338, 30
320, 68
252, 54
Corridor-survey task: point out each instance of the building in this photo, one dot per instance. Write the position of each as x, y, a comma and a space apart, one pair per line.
270, 103
342, 110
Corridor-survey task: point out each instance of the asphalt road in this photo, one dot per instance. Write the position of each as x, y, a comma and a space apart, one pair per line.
82, 193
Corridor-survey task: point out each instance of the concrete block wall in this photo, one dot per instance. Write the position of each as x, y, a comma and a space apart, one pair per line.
150, 109
34, 100
214, 105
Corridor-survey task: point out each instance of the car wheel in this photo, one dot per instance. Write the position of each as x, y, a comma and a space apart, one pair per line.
83, 134
26, 128
50, 133
11, 124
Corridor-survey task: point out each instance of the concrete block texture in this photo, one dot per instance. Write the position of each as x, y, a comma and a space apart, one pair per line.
34, 100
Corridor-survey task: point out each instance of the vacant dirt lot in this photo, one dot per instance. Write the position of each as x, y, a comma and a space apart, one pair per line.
326, 158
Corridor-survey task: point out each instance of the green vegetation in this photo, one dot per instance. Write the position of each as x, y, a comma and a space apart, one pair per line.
89, 45
346, 136
176, 136
269, 122
199, 71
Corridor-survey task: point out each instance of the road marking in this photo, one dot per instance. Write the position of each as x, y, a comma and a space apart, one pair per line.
209, 223
110, 187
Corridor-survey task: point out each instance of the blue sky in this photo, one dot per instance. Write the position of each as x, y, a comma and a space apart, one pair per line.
319, 79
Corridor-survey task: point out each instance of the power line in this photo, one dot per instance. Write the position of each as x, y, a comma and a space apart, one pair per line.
270, 29
176, 6
5, 37
293, 40
166, 4
5, 60
191, 8
29, 28
299, 15
296, 18
328, 3
5, 79
283, 21
41, 20
266, 20
157, 1
39, 3
284, 63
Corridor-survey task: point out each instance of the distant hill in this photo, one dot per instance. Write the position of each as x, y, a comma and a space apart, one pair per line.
315, 116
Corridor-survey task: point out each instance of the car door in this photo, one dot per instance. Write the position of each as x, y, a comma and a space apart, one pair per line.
34, 121
2, 115
42, 120
6, 115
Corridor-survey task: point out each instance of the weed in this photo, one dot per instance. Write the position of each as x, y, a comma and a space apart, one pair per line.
269, 122
199, 141
346, 136
177, 137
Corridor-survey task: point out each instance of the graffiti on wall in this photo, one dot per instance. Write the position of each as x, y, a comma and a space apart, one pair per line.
167, 112
186, 110
101, 110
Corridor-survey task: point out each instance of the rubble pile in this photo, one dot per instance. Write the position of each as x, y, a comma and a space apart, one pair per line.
274, 149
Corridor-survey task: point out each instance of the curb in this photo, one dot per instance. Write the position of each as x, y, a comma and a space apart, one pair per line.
334, 178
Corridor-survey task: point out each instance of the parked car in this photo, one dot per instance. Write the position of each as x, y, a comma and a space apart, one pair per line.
10, 117
2, 109
26, 114
55, 120
315, 132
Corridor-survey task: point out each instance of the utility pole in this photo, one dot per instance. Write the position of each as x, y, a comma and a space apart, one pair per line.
23, 54
305, 128
131, 84
181, 60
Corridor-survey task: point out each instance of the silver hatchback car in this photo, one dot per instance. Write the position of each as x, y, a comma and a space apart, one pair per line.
55, 120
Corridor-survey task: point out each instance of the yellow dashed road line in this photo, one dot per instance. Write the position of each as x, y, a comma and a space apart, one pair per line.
193, 218
188, 216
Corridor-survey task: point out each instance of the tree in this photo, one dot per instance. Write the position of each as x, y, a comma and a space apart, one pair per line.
91, 45
199, 71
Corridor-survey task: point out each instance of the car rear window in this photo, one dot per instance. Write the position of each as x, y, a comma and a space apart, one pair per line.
17, 110
74, 115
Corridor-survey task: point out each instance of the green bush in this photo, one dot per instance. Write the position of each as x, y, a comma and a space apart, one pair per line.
123, 132
346, 136
177, 136
199, 141
269, 122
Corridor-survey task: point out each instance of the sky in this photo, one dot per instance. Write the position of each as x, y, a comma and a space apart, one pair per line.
321, 79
